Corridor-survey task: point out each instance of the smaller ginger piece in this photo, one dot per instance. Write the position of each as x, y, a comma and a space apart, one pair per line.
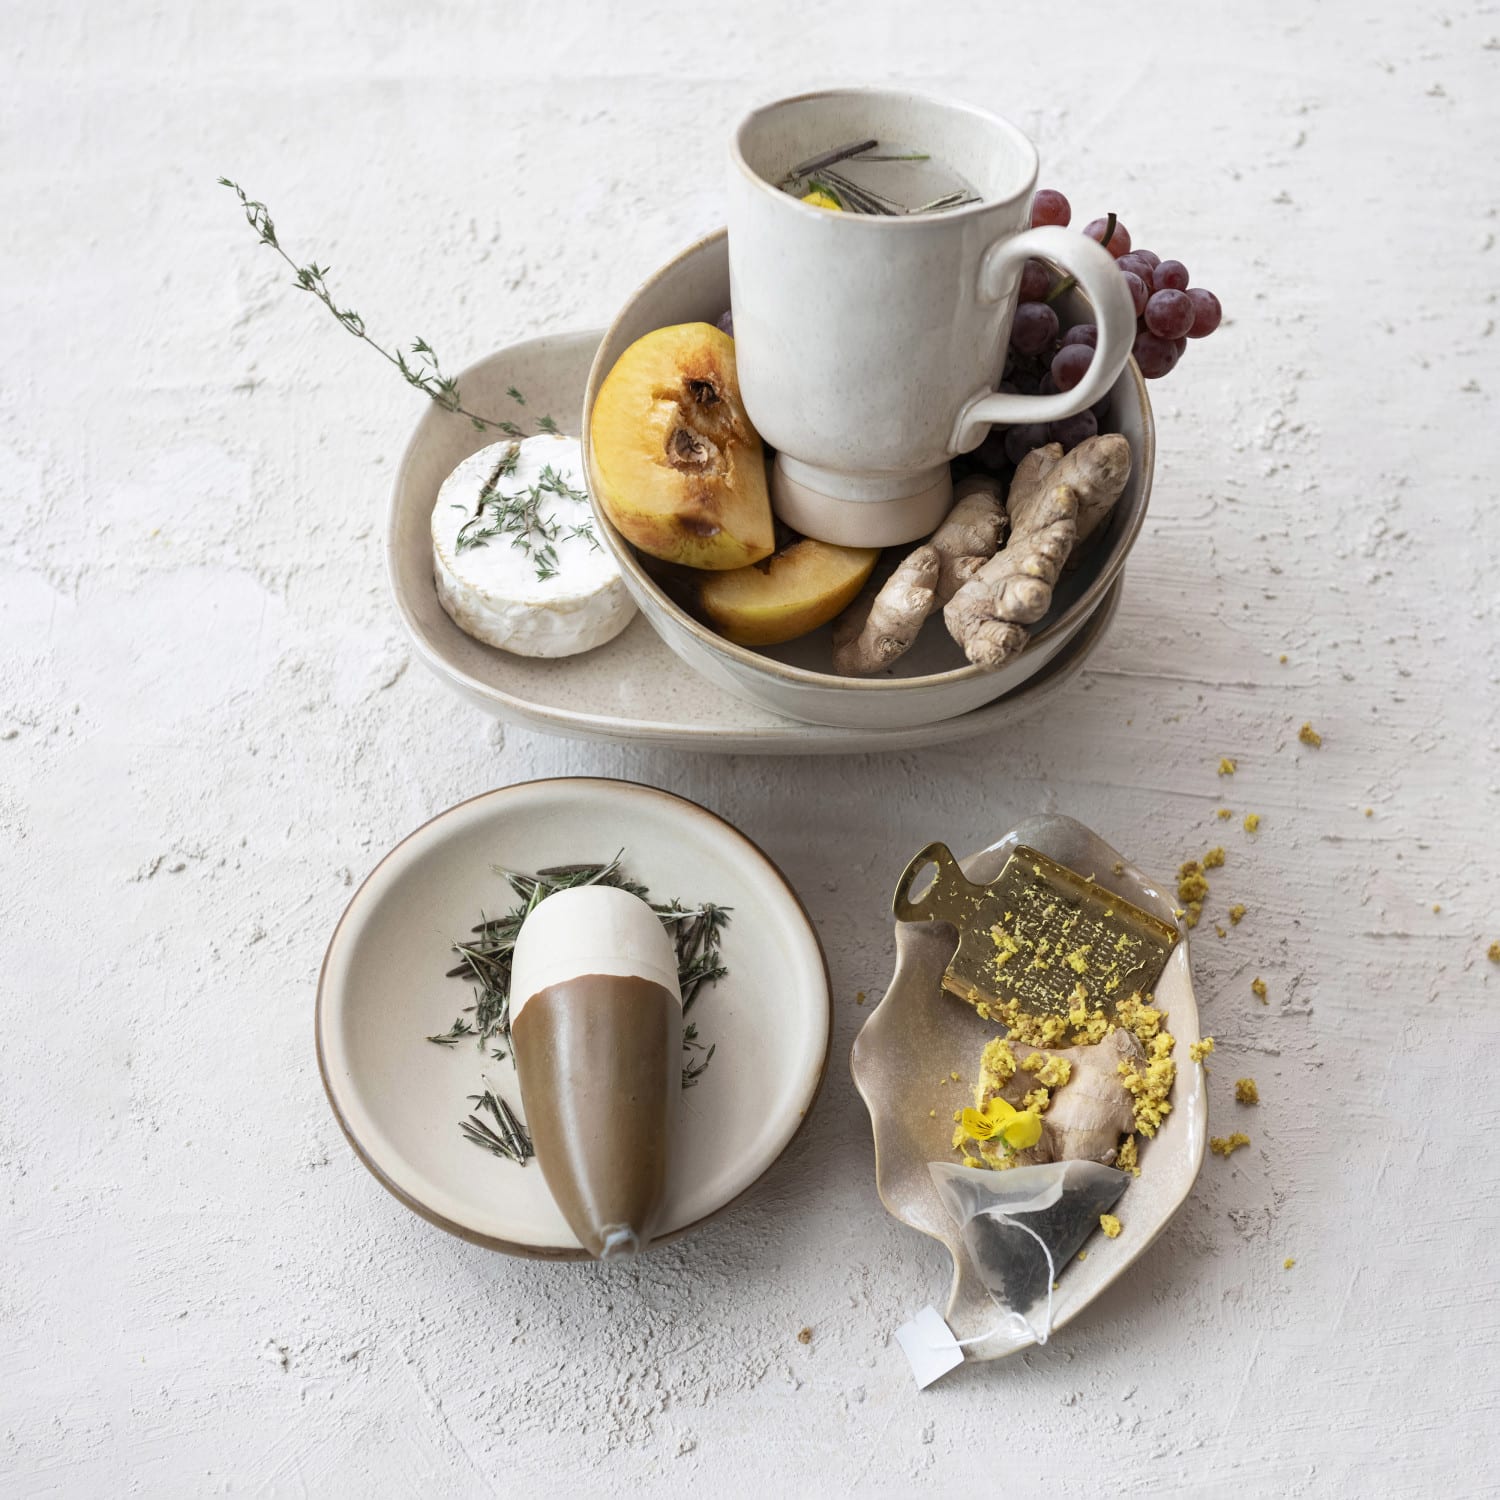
1111, 1226
1056, 501
1227, 1145
1310, 736
1494, 953
1258, 989
1199, 1050
1245, 1091
879, 628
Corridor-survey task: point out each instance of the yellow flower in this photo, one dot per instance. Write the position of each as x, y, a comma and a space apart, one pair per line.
819, 199
1017, 1128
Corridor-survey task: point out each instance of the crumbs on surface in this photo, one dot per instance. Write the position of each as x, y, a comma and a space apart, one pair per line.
804, 1336
1111, 1226
1224, 814
1494, 953
1252, 822
1282, 658
1436, 907
1227, 767
1309, 736
1245, 1091
1237, 913
1214, 859
1083, 1255
859, 998
1258, 989
1199, 1050
1289, 1262
1369, 812
1128, 1159
1227, 1145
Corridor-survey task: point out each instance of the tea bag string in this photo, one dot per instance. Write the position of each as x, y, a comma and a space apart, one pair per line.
1000, 1327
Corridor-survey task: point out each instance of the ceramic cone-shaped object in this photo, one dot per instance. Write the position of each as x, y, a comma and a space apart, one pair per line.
596, 1027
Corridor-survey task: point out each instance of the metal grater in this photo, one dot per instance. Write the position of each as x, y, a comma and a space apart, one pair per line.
1036, 933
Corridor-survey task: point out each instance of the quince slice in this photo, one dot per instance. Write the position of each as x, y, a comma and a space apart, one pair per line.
788, 595
677, 466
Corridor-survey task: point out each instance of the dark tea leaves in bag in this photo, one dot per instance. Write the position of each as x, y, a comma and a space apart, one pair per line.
1022, 1227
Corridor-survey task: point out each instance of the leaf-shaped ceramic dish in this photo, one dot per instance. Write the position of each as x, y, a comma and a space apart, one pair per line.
918, 1035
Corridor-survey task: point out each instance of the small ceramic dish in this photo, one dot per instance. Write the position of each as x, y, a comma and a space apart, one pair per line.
399, 1098
932, 681
918, 1034
633, 690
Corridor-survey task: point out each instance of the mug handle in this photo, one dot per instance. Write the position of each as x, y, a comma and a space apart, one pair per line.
1114, 314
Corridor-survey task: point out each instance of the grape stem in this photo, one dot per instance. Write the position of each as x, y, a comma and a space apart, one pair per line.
1069, 282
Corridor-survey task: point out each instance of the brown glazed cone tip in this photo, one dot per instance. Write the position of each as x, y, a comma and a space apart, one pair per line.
599, 1062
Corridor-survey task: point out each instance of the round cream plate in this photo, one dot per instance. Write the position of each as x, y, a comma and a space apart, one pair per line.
399, 1098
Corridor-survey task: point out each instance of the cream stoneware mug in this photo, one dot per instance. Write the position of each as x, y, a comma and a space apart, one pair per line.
869, 346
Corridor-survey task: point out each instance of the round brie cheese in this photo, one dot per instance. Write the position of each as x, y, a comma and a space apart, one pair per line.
541, 583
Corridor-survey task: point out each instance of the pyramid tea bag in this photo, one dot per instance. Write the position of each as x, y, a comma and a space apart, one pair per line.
1022, 1227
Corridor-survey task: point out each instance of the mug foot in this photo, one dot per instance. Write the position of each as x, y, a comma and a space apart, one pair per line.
868, 521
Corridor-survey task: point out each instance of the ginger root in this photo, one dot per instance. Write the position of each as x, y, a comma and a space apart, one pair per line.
1091, 1113
970, 534
1054, 502
879, 628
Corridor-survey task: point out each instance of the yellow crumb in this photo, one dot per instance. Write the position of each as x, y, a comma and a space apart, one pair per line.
1436, 907
805, 1336
1309, 736
1222, 931
1258, 989
1194, 913
1245, 1091
1225, 814
1369, 812
1128, 1158
1111, 1226
1118, 867
859, 998
1051, 1072
1227, 767
1252, 822
969, 1161
1192, 887
953, 1077
1289, 1262
1214, 859
1282, 658
932, 1114
1494, 953
1236, 913
1199, 1050
1083, 1255
1226, 1145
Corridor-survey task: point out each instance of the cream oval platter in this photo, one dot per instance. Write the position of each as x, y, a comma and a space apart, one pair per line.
633, 690
382, 992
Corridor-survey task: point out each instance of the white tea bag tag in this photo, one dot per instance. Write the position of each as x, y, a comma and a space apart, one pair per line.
929, 1346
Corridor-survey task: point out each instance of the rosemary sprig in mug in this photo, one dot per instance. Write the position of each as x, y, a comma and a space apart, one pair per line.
426, 374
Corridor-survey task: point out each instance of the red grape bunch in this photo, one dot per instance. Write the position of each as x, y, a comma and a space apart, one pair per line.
1044, 358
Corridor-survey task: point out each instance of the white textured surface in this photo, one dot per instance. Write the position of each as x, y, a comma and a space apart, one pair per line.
207, 732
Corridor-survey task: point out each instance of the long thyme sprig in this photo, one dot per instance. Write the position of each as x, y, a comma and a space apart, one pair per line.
425, 374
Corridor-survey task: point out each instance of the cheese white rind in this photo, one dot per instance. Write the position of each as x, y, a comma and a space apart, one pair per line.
492, 591
592, 929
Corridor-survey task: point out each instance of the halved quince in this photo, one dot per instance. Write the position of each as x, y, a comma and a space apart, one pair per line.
677, 466
788, 595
